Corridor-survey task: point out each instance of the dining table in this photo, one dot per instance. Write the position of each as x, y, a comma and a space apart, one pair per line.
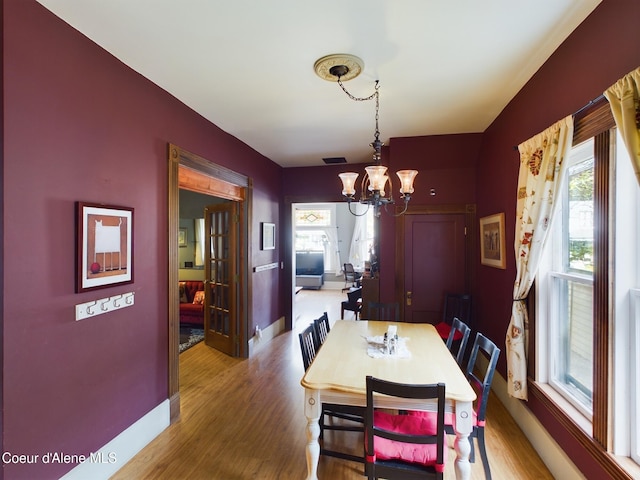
353, 350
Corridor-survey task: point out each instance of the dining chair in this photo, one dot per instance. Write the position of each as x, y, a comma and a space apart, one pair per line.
480, 379
458, 347
322, 328
384, 311
353, 302
350, 276
308, 344
456, 305
399, 446
353, 415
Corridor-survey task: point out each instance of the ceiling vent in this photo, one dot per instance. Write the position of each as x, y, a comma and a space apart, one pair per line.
334, 160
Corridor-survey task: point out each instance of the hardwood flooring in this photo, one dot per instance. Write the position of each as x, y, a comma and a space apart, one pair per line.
243, 419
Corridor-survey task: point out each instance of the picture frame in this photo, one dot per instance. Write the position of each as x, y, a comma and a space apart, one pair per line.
104, 246
182, 237
268, 236
492, 241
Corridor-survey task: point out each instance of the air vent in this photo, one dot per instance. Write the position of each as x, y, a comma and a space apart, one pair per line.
334, 160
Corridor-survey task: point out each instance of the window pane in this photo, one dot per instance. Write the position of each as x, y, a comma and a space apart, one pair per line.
313, 217
580, 212
574, 367
310, 240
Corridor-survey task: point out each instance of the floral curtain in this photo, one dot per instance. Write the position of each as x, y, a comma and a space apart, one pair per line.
624, 99
542, 167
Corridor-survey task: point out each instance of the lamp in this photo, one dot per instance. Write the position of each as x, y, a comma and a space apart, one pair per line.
343, 67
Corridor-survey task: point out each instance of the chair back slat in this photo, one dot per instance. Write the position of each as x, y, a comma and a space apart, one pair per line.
414, 431
457, 305
322, 328
484, 380
389, 312
308, 345
458, 347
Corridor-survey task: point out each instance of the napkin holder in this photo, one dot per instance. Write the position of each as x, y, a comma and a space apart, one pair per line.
391, 340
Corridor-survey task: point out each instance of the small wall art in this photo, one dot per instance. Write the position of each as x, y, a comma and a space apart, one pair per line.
104, 246
492, 243
268, 236
182, 237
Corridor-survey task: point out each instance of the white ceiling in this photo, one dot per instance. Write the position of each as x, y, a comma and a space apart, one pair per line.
247, 66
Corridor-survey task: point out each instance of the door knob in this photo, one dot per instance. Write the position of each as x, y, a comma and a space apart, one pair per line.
409, 298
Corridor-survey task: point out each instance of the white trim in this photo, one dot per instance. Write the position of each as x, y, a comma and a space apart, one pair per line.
556, 460
260, 340
115, 454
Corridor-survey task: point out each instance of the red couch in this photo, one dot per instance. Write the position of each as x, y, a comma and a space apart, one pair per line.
191, 313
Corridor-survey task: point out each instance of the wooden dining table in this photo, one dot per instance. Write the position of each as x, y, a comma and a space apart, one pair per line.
337, 375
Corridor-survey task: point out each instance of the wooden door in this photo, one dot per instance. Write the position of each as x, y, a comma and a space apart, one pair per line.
221, 277
434, 263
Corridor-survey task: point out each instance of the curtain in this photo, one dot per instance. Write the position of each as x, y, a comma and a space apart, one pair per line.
624, 99
332, 250
542, 168
359, 250
199, 230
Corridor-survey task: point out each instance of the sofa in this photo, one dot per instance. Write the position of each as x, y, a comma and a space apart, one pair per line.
310, 269
191, 302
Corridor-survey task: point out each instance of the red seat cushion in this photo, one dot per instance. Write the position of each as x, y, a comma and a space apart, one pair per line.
444, 329
385, 449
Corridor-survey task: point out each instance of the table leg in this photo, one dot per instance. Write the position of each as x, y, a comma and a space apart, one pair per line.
312, 408
462, 446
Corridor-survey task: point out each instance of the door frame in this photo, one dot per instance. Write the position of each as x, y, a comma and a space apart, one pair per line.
469, 212
189, 171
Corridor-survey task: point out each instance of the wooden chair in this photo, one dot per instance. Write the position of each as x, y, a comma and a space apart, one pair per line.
458, 328
480, 380
351, 277
455, 306
309, 345
322, 328
353, 302
404, 446
389, 312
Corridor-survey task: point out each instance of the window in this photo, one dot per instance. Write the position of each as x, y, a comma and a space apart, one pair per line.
571, 283
315, 230
587, 323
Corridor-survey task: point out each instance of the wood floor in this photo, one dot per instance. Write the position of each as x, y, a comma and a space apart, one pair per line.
243, 419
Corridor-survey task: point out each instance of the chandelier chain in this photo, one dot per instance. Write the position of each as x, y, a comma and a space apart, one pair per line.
375, 95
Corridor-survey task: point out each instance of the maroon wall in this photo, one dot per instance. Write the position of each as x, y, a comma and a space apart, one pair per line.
446, 164
80, 125
600, 51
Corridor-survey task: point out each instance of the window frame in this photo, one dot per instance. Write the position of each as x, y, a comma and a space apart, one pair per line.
593, 121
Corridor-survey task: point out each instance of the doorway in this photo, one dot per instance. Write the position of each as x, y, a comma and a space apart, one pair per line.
435, 257
191, 172
327, 234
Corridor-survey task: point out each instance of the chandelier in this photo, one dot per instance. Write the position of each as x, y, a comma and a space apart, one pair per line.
340, 68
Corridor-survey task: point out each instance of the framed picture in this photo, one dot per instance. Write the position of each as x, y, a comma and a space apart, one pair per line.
104, 246
182, 237
268, 236
492, 251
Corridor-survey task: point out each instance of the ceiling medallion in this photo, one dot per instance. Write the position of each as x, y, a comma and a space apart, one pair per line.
344, 66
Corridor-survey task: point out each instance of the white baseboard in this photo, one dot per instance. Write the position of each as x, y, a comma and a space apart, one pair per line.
556, 460
256, 343
115, 454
